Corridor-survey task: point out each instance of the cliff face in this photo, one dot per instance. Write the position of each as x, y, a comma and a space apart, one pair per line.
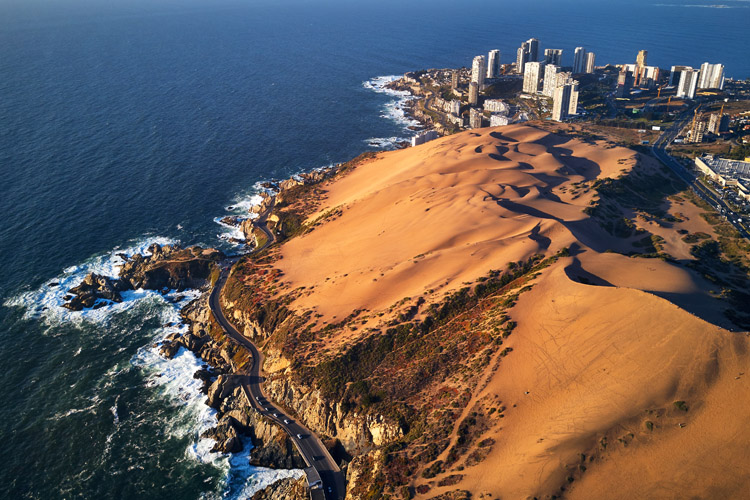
286, 489
357, 432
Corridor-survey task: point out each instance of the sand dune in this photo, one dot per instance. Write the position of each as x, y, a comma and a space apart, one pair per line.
438, 215
594, 360
605, 344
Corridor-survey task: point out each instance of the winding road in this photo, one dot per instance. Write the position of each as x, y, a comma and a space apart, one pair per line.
325, 479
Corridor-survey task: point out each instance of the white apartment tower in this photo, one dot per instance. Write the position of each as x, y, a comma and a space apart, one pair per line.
528, 52
493, 64
550, 79
478, 71
531, 77
565, 101
590, 60
579, 60
688, 83
473, 93
553, 56
711, 77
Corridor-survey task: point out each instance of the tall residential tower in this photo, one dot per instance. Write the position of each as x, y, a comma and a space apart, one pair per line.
493, 64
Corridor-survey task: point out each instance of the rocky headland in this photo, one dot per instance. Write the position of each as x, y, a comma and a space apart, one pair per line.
164, 268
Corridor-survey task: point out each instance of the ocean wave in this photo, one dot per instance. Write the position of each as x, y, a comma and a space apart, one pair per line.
394, 109
46, 302
385, 142
173, 380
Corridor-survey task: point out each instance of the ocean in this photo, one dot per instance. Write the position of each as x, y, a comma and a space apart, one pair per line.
128, 122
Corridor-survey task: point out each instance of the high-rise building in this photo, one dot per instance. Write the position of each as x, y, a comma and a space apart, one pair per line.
718, 124
573, 101
695, 134
550, 80
624, 83
533, 49
688, 83
640, 60
473, 93
522, 56
579, 60
528, 52
562, 100
531, 77
493, 64
478, 71
454, 80
640, 63
590, 60
674, 74
712, 76
553, 56
649, 76
475, 118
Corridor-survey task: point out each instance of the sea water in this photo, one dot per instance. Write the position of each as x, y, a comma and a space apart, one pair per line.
131, 122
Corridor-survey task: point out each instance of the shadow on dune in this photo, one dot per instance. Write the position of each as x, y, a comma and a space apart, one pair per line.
577, 273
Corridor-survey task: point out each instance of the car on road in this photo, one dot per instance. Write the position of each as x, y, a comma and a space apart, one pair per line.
276, 415
299, 436
286, 420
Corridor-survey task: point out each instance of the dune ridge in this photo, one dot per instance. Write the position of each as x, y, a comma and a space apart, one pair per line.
622, 378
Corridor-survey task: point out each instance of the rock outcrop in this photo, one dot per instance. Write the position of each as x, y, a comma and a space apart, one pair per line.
93, 288
166, 268
284, 489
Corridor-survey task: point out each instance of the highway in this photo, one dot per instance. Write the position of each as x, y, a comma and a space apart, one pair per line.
659, 150
309, 445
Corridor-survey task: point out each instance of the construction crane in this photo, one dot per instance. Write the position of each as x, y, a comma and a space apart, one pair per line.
658, 94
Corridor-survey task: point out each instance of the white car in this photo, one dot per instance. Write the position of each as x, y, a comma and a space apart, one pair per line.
299, 436
286, 421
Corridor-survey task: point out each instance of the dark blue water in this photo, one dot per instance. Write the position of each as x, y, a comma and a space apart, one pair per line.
125, 121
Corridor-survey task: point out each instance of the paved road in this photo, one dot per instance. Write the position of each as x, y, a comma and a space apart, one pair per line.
659, 149
312, 450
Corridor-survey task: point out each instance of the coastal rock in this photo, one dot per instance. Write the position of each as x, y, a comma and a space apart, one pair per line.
289, 184
358, 433
93, 288
226, 436
169, 349
220, 389
170, 267
284, 489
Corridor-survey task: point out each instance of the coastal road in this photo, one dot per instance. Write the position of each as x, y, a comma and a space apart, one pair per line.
659, 150
311, 448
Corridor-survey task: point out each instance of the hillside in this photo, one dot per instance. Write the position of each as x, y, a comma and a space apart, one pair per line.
507, 314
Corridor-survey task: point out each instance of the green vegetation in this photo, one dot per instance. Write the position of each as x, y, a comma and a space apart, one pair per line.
680, 405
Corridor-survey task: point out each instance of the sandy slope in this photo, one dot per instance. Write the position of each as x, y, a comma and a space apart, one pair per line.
593, 361
435, 216
605, 343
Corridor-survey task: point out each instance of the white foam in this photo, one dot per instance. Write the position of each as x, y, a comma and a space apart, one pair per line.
46, 302
232, 234
173, 380
385, 142
394, 109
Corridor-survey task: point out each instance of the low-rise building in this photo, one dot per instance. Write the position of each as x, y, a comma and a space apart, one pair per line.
496, 106
475, 118
498, 120
422, 137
